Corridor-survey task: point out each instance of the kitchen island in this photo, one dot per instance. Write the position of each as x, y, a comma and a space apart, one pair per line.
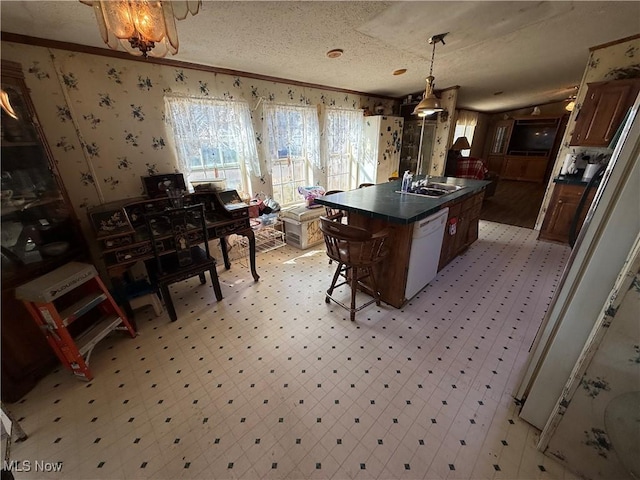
380, 206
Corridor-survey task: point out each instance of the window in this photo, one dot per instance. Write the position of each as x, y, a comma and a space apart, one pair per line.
342, 147
291, 140
214, 140
465, 127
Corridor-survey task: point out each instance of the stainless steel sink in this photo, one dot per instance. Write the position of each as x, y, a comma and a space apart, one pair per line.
442, 186
432, 189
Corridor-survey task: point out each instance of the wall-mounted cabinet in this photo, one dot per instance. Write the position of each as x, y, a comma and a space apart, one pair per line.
603, 111
39, 232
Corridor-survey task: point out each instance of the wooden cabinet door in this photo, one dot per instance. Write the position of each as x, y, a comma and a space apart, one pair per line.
473, 215
603, 110
495, 163
515, 168
501, 136
562, 209
449, 241
530, 169
536, 168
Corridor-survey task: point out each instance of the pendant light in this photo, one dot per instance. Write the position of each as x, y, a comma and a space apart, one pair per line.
430, 104
142, 27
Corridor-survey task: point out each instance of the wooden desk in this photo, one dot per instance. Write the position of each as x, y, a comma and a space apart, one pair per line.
123, 239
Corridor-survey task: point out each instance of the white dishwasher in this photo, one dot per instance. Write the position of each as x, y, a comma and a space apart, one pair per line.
425, 251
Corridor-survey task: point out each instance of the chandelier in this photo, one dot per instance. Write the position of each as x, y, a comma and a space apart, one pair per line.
142, 27
430, 104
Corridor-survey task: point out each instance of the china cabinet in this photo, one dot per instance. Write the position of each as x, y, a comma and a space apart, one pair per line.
39, 232
498, 146
603, 111
521, 147
412, 136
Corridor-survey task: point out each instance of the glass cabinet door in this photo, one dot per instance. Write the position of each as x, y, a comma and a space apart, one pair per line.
501, 136
39, 231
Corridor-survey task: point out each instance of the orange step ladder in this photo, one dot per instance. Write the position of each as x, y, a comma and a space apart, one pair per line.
42, 296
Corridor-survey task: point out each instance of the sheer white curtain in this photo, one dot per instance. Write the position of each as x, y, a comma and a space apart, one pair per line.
342, 146
213, 137
465, 127
292, 132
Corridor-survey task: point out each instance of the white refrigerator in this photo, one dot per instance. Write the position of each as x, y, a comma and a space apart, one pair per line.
610, 229
382, 142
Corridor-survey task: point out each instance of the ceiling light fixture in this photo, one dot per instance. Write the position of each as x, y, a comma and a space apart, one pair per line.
6, 105
572, 101
142, 27
430, 104
335, 53
400, 71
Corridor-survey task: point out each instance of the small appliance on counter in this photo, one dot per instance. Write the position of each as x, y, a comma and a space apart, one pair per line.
589, 171
593, 165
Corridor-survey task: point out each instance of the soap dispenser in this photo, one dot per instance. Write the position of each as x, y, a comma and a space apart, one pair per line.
406, 181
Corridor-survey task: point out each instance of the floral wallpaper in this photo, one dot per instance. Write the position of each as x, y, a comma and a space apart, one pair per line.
608, 63
595, 425
104, 117
444, 131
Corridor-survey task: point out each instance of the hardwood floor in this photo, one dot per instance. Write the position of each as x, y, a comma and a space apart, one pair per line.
514, 203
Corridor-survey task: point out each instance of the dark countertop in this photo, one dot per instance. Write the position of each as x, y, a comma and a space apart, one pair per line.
382, 202
570, 179
573, 180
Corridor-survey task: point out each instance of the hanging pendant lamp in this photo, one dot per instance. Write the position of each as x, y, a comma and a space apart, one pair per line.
430, 104
142, 27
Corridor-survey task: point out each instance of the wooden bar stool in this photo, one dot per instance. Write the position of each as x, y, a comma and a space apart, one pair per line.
356, 251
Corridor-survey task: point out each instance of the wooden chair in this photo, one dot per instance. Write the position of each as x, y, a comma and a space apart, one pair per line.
356, 251
176, 236
331, 212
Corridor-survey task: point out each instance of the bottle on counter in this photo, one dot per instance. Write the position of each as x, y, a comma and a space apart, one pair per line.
406, 181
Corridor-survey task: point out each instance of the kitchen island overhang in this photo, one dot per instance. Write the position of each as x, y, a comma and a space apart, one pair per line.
380, 206
382, 202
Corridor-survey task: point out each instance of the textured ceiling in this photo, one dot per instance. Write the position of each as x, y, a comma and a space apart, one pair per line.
533, 52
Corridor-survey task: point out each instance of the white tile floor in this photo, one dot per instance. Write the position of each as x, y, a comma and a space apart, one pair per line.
272, 382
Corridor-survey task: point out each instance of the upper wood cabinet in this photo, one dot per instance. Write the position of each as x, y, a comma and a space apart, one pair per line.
603, 110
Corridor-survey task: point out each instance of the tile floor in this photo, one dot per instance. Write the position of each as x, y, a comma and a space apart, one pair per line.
272, 382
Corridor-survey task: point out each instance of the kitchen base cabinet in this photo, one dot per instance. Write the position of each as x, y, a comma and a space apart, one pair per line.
561, 212
461, 229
